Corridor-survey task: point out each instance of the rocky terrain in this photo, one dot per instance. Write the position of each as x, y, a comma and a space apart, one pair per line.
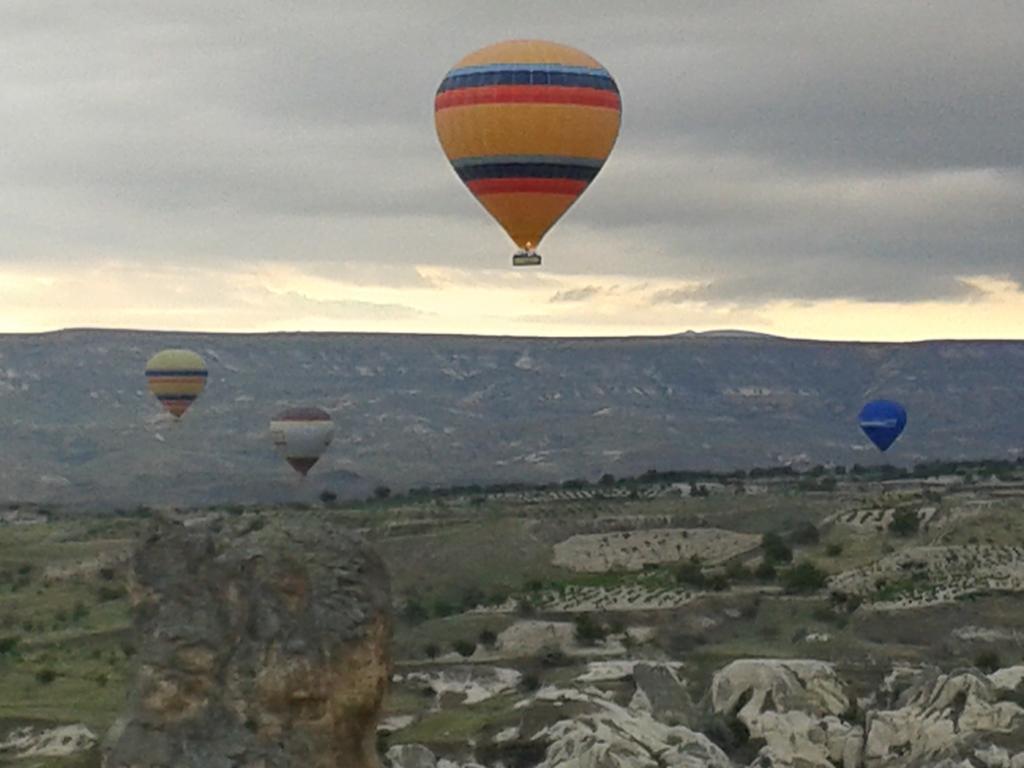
743, 620
258, 644
78, 426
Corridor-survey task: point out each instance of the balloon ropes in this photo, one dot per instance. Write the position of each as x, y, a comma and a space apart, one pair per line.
527, 125
301, 435
176, 377
883, 421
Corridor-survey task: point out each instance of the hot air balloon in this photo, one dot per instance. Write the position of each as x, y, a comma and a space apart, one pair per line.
527, 125
883, 421
301, 435
176, 377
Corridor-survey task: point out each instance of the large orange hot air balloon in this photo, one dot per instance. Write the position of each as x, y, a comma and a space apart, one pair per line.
527, 125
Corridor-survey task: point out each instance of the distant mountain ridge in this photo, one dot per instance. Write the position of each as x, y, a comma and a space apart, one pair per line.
78, 426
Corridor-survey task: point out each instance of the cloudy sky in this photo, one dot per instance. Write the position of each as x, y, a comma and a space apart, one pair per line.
817, 168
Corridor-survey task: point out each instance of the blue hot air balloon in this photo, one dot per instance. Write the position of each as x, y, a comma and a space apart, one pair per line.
883, 421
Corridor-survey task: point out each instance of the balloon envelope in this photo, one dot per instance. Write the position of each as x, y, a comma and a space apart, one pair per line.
527, 125
883, 421
301, 435
176, 377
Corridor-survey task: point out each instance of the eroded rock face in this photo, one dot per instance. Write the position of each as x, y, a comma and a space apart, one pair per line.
615, 737
935, 716
261, 644
795, 706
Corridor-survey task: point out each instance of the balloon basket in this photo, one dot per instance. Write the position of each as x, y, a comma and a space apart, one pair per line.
526, 259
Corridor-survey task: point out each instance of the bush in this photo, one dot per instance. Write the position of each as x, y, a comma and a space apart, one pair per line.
904, 522
328, 496
737, 571
8, 645
804, 577
442, 608
834, 550
691, 574
381, 492
988, 662
589, 631
488, 638
718, 582
530, 682
775, 549
414, 612
805, 535
432, 650
464, 648
45, 676
765, 571
107, 594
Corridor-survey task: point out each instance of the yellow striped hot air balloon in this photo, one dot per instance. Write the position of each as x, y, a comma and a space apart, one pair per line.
176, 377
527, 125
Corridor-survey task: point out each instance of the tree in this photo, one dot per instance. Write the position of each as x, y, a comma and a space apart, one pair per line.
465, 648
381, 492
414, 612
905, 522
804, 577
328, 496
432, 650
805, 534
691, 574
488, 638
607, 479
775, 549
589, 631
765, 571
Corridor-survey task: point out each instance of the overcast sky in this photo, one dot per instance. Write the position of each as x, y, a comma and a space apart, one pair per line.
810, 168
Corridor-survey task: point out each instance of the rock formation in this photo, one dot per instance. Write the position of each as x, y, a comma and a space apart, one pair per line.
261, 644
931, 716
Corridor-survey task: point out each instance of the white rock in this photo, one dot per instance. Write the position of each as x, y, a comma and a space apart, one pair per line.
936, 717
617, 738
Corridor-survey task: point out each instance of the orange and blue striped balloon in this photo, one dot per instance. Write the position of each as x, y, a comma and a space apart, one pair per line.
527, 125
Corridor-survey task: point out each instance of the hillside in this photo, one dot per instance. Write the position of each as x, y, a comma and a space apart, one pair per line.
77, 425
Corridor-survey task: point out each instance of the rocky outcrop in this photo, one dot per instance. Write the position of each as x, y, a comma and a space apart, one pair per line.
660, 693
932, 716
795, 706
615, 737
261, 643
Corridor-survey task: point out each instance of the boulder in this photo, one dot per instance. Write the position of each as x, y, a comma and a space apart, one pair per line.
660, 693
615, 737
795, 706
261, 642
939, 716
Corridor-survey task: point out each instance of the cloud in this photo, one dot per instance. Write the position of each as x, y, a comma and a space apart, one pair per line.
798, 151
575, 294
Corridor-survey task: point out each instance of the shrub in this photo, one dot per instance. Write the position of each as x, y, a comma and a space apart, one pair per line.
833, 550
488, 638
106, 594
765, 571
718, 582
464, 648
988, 662
805, 535
443, 608
775, 549
432, 650
691, 574
45, 676
381, 492
8, 645
904, 522
414, 611
328, 497
530, 682
589, 631
804, 577
737, 571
